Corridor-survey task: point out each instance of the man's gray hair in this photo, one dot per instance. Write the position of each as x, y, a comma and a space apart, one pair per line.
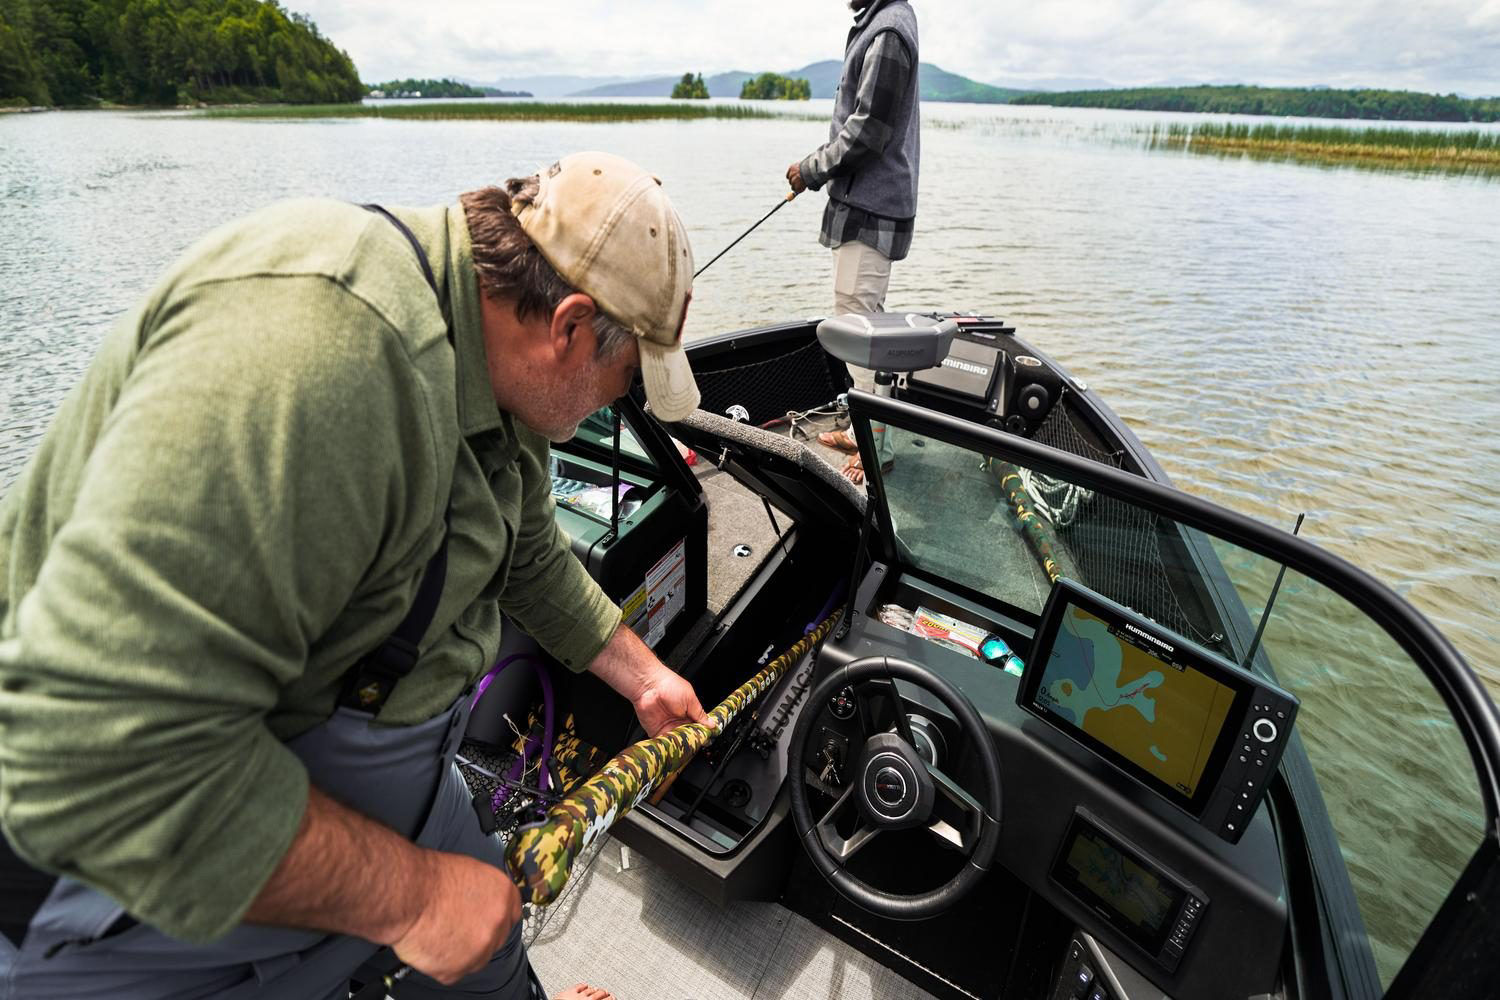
610, 335
509, 265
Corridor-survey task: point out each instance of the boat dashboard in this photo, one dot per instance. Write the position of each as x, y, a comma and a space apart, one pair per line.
1198, 910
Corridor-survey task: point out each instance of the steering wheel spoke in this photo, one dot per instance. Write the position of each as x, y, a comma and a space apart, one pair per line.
888, 785
841, 847
957, 817
868, 697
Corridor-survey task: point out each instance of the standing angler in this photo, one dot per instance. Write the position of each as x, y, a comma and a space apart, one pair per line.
869, 164
261, 556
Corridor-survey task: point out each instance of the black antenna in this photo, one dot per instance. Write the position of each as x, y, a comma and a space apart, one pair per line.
614, 483
859, 553
1265, 615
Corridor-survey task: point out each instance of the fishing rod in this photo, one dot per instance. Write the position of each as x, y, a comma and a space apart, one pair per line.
540, 855
789, 196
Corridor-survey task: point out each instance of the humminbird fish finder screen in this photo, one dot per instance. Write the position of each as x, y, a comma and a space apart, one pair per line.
1180, 719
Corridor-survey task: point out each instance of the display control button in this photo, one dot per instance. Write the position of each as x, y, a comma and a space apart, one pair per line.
1265, 730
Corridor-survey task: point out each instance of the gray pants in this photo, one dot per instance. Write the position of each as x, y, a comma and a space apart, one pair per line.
403, 777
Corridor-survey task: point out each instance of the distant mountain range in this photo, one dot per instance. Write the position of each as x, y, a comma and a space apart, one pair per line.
936, 85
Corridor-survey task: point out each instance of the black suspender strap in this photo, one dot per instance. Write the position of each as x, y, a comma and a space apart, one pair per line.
411, 238
370, 682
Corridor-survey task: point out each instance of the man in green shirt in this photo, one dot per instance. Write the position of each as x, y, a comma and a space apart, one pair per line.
318, 447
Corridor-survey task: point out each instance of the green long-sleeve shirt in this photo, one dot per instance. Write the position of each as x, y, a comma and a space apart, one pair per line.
235, 504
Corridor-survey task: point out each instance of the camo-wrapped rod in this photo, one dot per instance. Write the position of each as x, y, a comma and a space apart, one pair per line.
1032, 526
541, 854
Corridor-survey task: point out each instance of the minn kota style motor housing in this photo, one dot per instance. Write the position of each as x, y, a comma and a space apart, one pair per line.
948, 364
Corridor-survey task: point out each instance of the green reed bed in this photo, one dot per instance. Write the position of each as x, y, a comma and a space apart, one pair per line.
1471, 149
530, 111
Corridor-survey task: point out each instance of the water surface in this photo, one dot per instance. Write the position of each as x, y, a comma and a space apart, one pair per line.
1284, 338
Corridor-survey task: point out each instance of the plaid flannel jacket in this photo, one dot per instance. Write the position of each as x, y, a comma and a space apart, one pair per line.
865, 134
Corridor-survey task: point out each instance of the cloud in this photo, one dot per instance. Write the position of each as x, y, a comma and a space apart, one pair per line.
1436, 45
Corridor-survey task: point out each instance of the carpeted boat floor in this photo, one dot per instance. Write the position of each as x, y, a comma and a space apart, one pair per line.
640, 934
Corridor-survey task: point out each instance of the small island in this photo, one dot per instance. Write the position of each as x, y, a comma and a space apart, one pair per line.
775, 87
410, 88
690, 88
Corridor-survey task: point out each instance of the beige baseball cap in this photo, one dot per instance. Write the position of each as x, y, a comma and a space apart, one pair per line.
606, 226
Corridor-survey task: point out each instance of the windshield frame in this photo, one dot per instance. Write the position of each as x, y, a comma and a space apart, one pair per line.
1473, 711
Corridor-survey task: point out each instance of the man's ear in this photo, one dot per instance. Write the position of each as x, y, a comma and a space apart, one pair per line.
573, 327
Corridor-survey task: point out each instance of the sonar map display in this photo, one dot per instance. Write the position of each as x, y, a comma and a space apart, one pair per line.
1161, 715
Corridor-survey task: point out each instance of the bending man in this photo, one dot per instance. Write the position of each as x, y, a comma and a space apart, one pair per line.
261, 555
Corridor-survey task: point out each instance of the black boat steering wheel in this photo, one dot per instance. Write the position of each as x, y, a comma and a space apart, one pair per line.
890, 787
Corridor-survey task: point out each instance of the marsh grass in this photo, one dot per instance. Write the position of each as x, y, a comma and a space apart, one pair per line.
534, 111
1420, 149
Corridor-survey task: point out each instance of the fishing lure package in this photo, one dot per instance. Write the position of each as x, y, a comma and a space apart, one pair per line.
952, 633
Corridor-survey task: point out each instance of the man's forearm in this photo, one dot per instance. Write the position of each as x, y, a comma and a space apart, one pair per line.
443, 914
347, 874
626, 664
661, 698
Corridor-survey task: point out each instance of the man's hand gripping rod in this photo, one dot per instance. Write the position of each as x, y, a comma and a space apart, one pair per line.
541, 855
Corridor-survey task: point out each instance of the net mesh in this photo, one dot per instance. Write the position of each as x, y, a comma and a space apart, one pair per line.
1120, 548
770, 387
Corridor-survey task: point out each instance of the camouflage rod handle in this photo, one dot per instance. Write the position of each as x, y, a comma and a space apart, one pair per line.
1033, 527
541, 854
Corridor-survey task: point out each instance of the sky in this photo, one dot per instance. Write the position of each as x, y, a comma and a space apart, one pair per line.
1427, 45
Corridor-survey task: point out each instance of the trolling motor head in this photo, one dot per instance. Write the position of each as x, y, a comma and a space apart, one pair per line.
888, 342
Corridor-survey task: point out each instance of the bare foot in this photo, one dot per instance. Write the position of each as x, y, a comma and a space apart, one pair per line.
854, 469
583, 991
842, 440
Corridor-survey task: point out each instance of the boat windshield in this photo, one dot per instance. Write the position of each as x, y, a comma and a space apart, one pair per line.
598, 428
1391, 764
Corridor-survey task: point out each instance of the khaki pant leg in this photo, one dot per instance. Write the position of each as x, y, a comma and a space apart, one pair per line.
861, 275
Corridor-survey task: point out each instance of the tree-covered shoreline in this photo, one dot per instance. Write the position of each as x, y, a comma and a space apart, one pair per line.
1303, 102
83, 53
775, 87
444, 88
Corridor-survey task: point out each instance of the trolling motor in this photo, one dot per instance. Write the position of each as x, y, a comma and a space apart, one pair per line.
888, 342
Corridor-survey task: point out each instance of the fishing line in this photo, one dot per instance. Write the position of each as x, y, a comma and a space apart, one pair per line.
789, 196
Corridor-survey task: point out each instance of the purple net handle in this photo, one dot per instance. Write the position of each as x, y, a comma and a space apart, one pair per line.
484, 682
548, 725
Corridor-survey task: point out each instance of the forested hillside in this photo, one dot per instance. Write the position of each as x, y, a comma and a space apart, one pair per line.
1308, 102
163, 52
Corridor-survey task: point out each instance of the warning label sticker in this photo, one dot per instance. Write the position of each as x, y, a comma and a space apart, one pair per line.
660, 598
